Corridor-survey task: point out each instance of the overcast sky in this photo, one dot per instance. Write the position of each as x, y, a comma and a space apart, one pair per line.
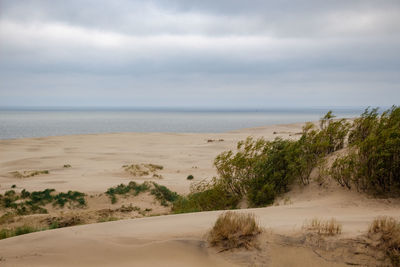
182, 53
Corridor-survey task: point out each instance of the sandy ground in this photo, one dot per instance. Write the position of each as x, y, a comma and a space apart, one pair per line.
96, 160
172, 240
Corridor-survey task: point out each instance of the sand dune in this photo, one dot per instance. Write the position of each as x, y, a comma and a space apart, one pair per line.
172, 240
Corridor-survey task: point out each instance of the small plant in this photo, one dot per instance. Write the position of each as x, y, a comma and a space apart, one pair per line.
13, 186
386, 230
67, 166
190, 177
234, 230
324, 227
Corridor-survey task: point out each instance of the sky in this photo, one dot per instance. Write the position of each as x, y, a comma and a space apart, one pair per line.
183, 53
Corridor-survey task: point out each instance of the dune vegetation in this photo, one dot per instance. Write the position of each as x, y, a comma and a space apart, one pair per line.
260, 170
234, 230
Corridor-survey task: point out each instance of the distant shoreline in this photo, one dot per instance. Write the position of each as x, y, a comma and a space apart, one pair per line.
16, 124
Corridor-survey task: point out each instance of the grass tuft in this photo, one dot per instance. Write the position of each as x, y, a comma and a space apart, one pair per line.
387, 231
234, 230
329, 227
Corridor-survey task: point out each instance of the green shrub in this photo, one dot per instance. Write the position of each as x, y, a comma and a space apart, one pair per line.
125, 189
190, 177
163, 194
373, 164
205, 196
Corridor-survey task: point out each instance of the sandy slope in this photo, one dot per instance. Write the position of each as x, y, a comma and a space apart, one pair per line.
177, 240
173, 240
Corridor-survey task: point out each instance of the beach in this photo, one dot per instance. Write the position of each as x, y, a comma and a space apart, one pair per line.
95, 163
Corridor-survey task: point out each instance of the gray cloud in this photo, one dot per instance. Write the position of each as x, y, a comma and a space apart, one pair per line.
202, 53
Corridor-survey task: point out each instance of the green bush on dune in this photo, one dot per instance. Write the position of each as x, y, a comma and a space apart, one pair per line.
373, 163
260, 170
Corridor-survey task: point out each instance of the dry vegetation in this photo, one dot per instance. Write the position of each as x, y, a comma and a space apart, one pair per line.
386, 230
141, 170
329, 227
27, 174
234, 230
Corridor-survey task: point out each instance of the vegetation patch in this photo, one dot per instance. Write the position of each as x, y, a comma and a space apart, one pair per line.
67, 166
132, 188
140, 170
21, 230
160, 192
205, 196
386, 230
190, 177
27, 174
329, 227
26, 202
234, 230
163, 194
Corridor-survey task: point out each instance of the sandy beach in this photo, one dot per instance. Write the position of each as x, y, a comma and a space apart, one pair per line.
96, 162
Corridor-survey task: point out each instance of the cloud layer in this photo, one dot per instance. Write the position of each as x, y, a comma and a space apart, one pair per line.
199, 53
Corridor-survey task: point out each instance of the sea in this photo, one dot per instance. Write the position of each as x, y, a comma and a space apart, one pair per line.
41, 122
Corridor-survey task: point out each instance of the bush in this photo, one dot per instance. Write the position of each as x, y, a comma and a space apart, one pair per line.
122, 189
190, 177
373, 165
234, 230
206, 196
163, 194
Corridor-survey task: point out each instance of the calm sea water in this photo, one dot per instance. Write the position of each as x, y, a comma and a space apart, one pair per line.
38, 123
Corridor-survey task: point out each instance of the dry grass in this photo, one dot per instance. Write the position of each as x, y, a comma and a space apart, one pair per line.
324, 227
387, 231
234, 230
26, 174
140, 170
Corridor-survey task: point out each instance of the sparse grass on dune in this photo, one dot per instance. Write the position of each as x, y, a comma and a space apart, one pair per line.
329, 227
21, 230
386, 230
140, 170
234, 230
27, 174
